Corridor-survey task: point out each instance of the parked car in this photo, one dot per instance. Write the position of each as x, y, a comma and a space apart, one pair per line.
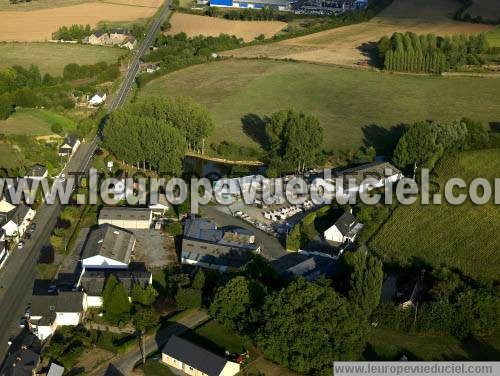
20, 245
27, 236
52, 289
33, 227
27, 312
23, 322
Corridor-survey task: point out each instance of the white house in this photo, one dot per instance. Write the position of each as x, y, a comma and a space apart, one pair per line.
125, 217
345, 229
69, 146
97, 99
94, 281
16, 222
67, 308
194, 360
37, 172
108, 247
130, 43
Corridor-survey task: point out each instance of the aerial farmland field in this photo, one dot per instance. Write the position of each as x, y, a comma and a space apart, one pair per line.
350, 44
352, 105
53, 57
446, 235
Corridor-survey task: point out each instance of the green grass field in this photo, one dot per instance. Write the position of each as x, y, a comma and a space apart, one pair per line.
10, 157
352, 105
34, 122
52, 58
464, 237
494, 37
391, 345
215, 337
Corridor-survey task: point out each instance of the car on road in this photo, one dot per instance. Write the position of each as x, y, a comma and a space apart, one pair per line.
20, 245
23, 322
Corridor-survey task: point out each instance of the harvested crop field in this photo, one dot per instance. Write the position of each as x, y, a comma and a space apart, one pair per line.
53, 57
488, 9
39, 25
194, 25
350, 44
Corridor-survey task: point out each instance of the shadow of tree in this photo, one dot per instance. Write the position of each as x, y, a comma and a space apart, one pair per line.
479, 349
370, 51
495, 126
254, 127
384, 140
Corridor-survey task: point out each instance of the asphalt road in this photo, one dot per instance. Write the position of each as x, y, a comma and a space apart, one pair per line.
17, 279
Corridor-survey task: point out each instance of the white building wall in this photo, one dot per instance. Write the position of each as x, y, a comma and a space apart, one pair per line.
333, 234
94, 301
100, 262
68, 318
230, 369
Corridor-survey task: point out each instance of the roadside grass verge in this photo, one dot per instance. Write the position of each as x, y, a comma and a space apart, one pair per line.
35, 122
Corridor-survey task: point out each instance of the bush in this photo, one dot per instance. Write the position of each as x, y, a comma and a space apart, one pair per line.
187, 298
56, 128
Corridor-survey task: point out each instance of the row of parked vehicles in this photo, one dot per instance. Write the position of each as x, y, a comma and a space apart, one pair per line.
27, 235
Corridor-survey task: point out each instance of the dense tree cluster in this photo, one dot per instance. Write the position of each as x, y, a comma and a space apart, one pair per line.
454, 306
73, 32
294, 139
155, 133
115, 301
409, 52
424, 143
102, 71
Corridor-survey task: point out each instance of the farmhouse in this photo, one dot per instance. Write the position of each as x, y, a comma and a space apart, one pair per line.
207, 246
194, 360
282, 5
99, 38
48, 312
108, 247
115, 37
129, 218
345, 229
94, 281
69, 146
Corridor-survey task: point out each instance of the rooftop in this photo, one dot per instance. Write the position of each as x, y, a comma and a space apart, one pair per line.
194, 356
93, 281
37, 171
374, 169
346, 223
111, 242
125, 213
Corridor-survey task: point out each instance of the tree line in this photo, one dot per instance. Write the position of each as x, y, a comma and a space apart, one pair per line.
155, 133
77, 32
428, 53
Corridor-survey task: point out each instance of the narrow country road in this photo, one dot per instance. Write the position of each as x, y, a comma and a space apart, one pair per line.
126, 362
17, 278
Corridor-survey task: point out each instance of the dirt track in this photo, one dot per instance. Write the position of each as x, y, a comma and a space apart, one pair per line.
348, 45
39, 25
194, 25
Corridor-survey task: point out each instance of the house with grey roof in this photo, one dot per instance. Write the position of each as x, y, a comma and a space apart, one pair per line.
108, 247
223, 249
93, 282
192, 359
37, 172
24, 356
48, 312
345, 229
125, 217
69, 146
311, 267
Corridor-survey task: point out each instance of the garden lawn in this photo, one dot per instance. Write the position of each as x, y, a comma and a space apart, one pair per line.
34, 122
215, 337
352, 105
463, 237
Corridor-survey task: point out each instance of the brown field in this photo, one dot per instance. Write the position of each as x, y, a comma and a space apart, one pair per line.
194, 25
348, 45
137, 3
488, 9
39, 25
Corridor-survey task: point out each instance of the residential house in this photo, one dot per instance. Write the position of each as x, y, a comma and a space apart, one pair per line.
99, 38
130, 43
94, 281
125, 217
67, 308
37, 172
119, 36
345, 229
69, 146
55, 370
152, 68
108, 247
23, 358
16, 222
223, 249
311, 267
97, 99
194, 360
